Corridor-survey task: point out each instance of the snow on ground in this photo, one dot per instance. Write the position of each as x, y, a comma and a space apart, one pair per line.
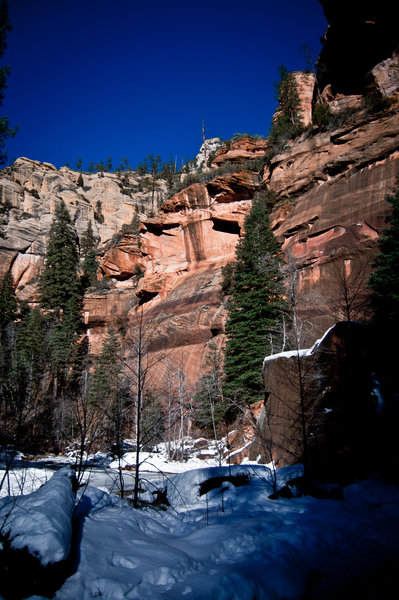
19, 481
232, 542
236, 547
157, 461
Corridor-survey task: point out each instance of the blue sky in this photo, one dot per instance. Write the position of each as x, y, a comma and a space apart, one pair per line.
94, 78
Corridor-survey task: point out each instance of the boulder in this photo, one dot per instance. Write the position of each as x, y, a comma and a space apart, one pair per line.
320, 407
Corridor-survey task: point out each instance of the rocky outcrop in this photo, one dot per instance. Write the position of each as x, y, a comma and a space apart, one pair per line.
179, 257
32, 189
305, 87
332, 189
207, 150
305, 84
386, 76
238, 151
330, 385
312, 161
226, 188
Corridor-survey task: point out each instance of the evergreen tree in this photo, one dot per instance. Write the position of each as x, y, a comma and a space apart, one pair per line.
8, 300
27, 378
63, 335
100, 167
4, 211
288, 122
256, 306
384, 280
124, 166
8, 312
5, 130
59, 282
105, 389
88, 245
88, 241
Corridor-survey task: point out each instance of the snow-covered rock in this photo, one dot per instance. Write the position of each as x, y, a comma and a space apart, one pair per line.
41, 521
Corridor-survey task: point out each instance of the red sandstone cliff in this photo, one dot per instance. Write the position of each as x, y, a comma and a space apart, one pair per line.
330, 204
331, 192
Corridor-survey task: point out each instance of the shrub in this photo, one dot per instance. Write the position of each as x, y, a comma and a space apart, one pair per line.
98, 215
33, 193
101, 284
321, 116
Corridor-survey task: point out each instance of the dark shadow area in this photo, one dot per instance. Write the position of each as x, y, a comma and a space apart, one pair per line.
226, 226
215, 482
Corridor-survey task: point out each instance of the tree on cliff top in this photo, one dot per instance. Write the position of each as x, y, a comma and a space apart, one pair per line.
288, 120
256, 307
5, 130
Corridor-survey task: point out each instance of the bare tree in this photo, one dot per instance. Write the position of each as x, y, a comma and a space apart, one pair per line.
140, 360
349, 298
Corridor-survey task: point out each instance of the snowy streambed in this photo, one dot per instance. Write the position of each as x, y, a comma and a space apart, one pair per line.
223, 538
25, 476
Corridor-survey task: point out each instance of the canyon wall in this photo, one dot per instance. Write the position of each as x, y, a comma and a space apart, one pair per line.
330, 206
330, 209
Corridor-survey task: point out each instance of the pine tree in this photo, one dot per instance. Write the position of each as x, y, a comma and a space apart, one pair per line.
8, 313
59, 281
88, 240
8, 300
256, 306
105, 388
108, 166
27, 378
384, 280
288, 121
88, 244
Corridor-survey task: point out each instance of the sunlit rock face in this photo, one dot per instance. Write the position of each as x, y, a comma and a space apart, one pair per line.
239, 151
32, 189
330, 191
332, 204
179, 255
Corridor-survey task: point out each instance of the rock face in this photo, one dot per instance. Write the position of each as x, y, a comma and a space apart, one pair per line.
386, 76
208, 148
180, 255
332, 207
330, 204
330, 384
305, 84
240, 150
32, 190
330, 191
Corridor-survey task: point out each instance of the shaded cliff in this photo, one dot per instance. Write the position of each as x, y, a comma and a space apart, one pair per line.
359, 36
